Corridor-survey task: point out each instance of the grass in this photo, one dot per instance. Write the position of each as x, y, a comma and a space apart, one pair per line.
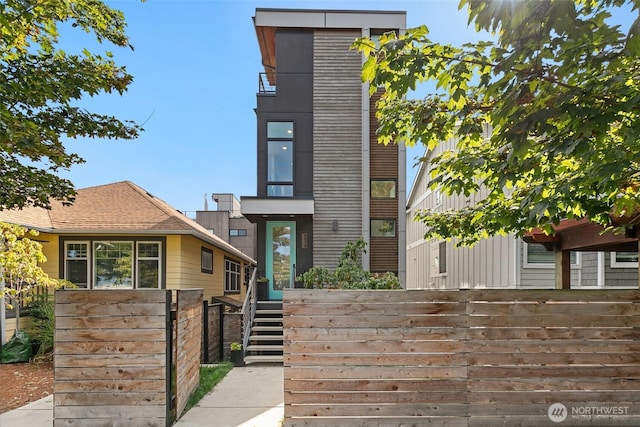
209, 377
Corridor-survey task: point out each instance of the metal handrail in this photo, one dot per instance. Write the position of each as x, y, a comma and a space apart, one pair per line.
263, 84
248, 311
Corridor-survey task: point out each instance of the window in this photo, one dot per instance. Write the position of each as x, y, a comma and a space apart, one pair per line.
231, 276
280, 159
539, 257
383, 189
624, 259
148, 271
107, 264
113, 264
76, 269
383, 228
206, 260
438, 259
237, 232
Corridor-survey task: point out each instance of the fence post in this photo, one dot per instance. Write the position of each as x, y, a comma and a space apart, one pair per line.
205, 332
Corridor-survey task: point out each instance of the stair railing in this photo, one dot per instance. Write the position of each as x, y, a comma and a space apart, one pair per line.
249, 312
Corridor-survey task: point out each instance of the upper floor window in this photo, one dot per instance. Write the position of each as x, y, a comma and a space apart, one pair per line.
383, 228
280, 159
238, 232
206, 260
383, 189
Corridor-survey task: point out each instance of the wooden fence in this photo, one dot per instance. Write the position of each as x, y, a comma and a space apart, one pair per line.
188, 333
113, 356
461, 358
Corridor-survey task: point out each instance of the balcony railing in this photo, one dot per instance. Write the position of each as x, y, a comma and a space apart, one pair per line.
263, 84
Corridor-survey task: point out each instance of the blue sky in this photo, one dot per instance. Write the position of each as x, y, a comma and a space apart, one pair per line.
195, 68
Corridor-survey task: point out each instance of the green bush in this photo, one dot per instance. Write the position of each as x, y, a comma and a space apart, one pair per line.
42, 311
349, 273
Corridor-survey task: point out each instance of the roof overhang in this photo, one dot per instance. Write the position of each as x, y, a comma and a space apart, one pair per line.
255, 208
268, 21
584, 235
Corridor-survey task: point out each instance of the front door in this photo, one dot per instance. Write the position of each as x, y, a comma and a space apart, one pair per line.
281, 256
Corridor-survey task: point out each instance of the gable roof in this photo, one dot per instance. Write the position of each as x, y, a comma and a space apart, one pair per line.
118, 208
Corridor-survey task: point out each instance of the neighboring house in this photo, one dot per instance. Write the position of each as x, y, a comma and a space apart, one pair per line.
501, 261
323, 179
228, 223
120, 236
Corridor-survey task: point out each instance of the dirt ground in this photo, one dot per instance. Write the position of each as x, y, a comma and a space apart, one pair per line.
21, 383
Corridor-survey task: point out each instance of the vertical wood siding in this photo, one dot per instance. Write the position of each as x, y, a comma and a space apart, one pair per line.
337, 144
459, 358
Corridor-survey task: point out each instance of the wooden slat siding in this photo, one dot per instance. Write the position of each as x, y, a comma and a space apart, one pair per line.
188, 342
337, 144
477, 357
111, 361
383, 161
362, 365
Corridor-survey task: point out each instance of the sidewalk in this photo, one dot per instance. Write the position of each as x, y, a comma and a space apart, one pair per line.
247, 397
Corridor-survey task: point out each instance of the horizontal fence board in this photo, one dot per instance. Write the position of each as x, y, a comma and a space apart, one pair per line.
110, 373
388, 385
108, 412
469, 357
101, 386
110, 296
376, 422
400, 410
406, 360
109, 322
114, 398
110, 347
119, 309
123, 422
131, 335
367, 334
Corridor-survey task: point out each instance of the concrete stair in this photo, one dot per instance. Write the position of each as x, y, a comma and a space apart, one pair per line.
265, 342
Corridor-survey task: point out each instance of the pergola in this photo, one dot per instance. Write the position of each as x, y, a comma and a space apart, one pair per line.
581, 235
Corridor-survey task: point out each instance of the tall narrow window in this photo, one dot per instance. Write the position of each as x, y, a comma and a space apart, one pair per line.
76, 267
280, 159
148, 265
231, 276
206, 260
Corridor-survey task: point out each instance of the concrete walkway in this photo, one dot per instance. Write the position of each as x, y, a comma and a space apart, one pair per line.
247, 397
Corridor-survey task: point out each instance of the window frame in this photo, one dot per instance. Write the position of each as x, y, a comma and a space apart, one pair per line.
383, 181
139, 258
383, 236
231, 276
622, 264
438, 249
280, 188
240, 232
527, 264
206, 260
90, 241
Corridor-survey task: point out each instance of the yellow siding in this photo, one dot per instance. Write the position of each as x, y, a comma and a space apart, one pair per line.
183, 267
51, 250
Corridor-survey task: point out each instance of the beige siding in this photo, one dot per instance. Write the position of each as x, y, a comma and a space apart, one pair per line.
337, 153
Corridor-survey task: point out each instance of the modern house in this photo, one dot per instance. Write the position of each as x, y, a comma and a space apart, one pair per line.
228, 223
502, 261
322, 178
120, 236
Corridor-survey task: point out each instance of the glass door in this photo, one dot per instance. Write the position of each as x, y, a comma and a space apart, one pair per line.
281, 256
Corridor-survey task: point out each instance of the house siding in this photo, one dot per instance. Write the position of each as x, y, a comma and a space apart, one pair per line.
337, 136
619, 277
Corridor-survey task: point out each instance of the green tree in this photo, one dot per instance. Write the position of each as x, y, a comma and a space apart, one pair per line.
40, 85
560, 85
20, 260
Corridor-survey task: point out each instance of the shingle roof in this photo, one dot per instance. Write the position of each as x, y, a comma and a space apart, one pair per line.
121, 207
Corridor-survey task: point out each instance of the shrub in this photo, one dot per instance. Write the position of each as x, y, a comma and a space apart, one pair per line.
349, 273
42, 312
